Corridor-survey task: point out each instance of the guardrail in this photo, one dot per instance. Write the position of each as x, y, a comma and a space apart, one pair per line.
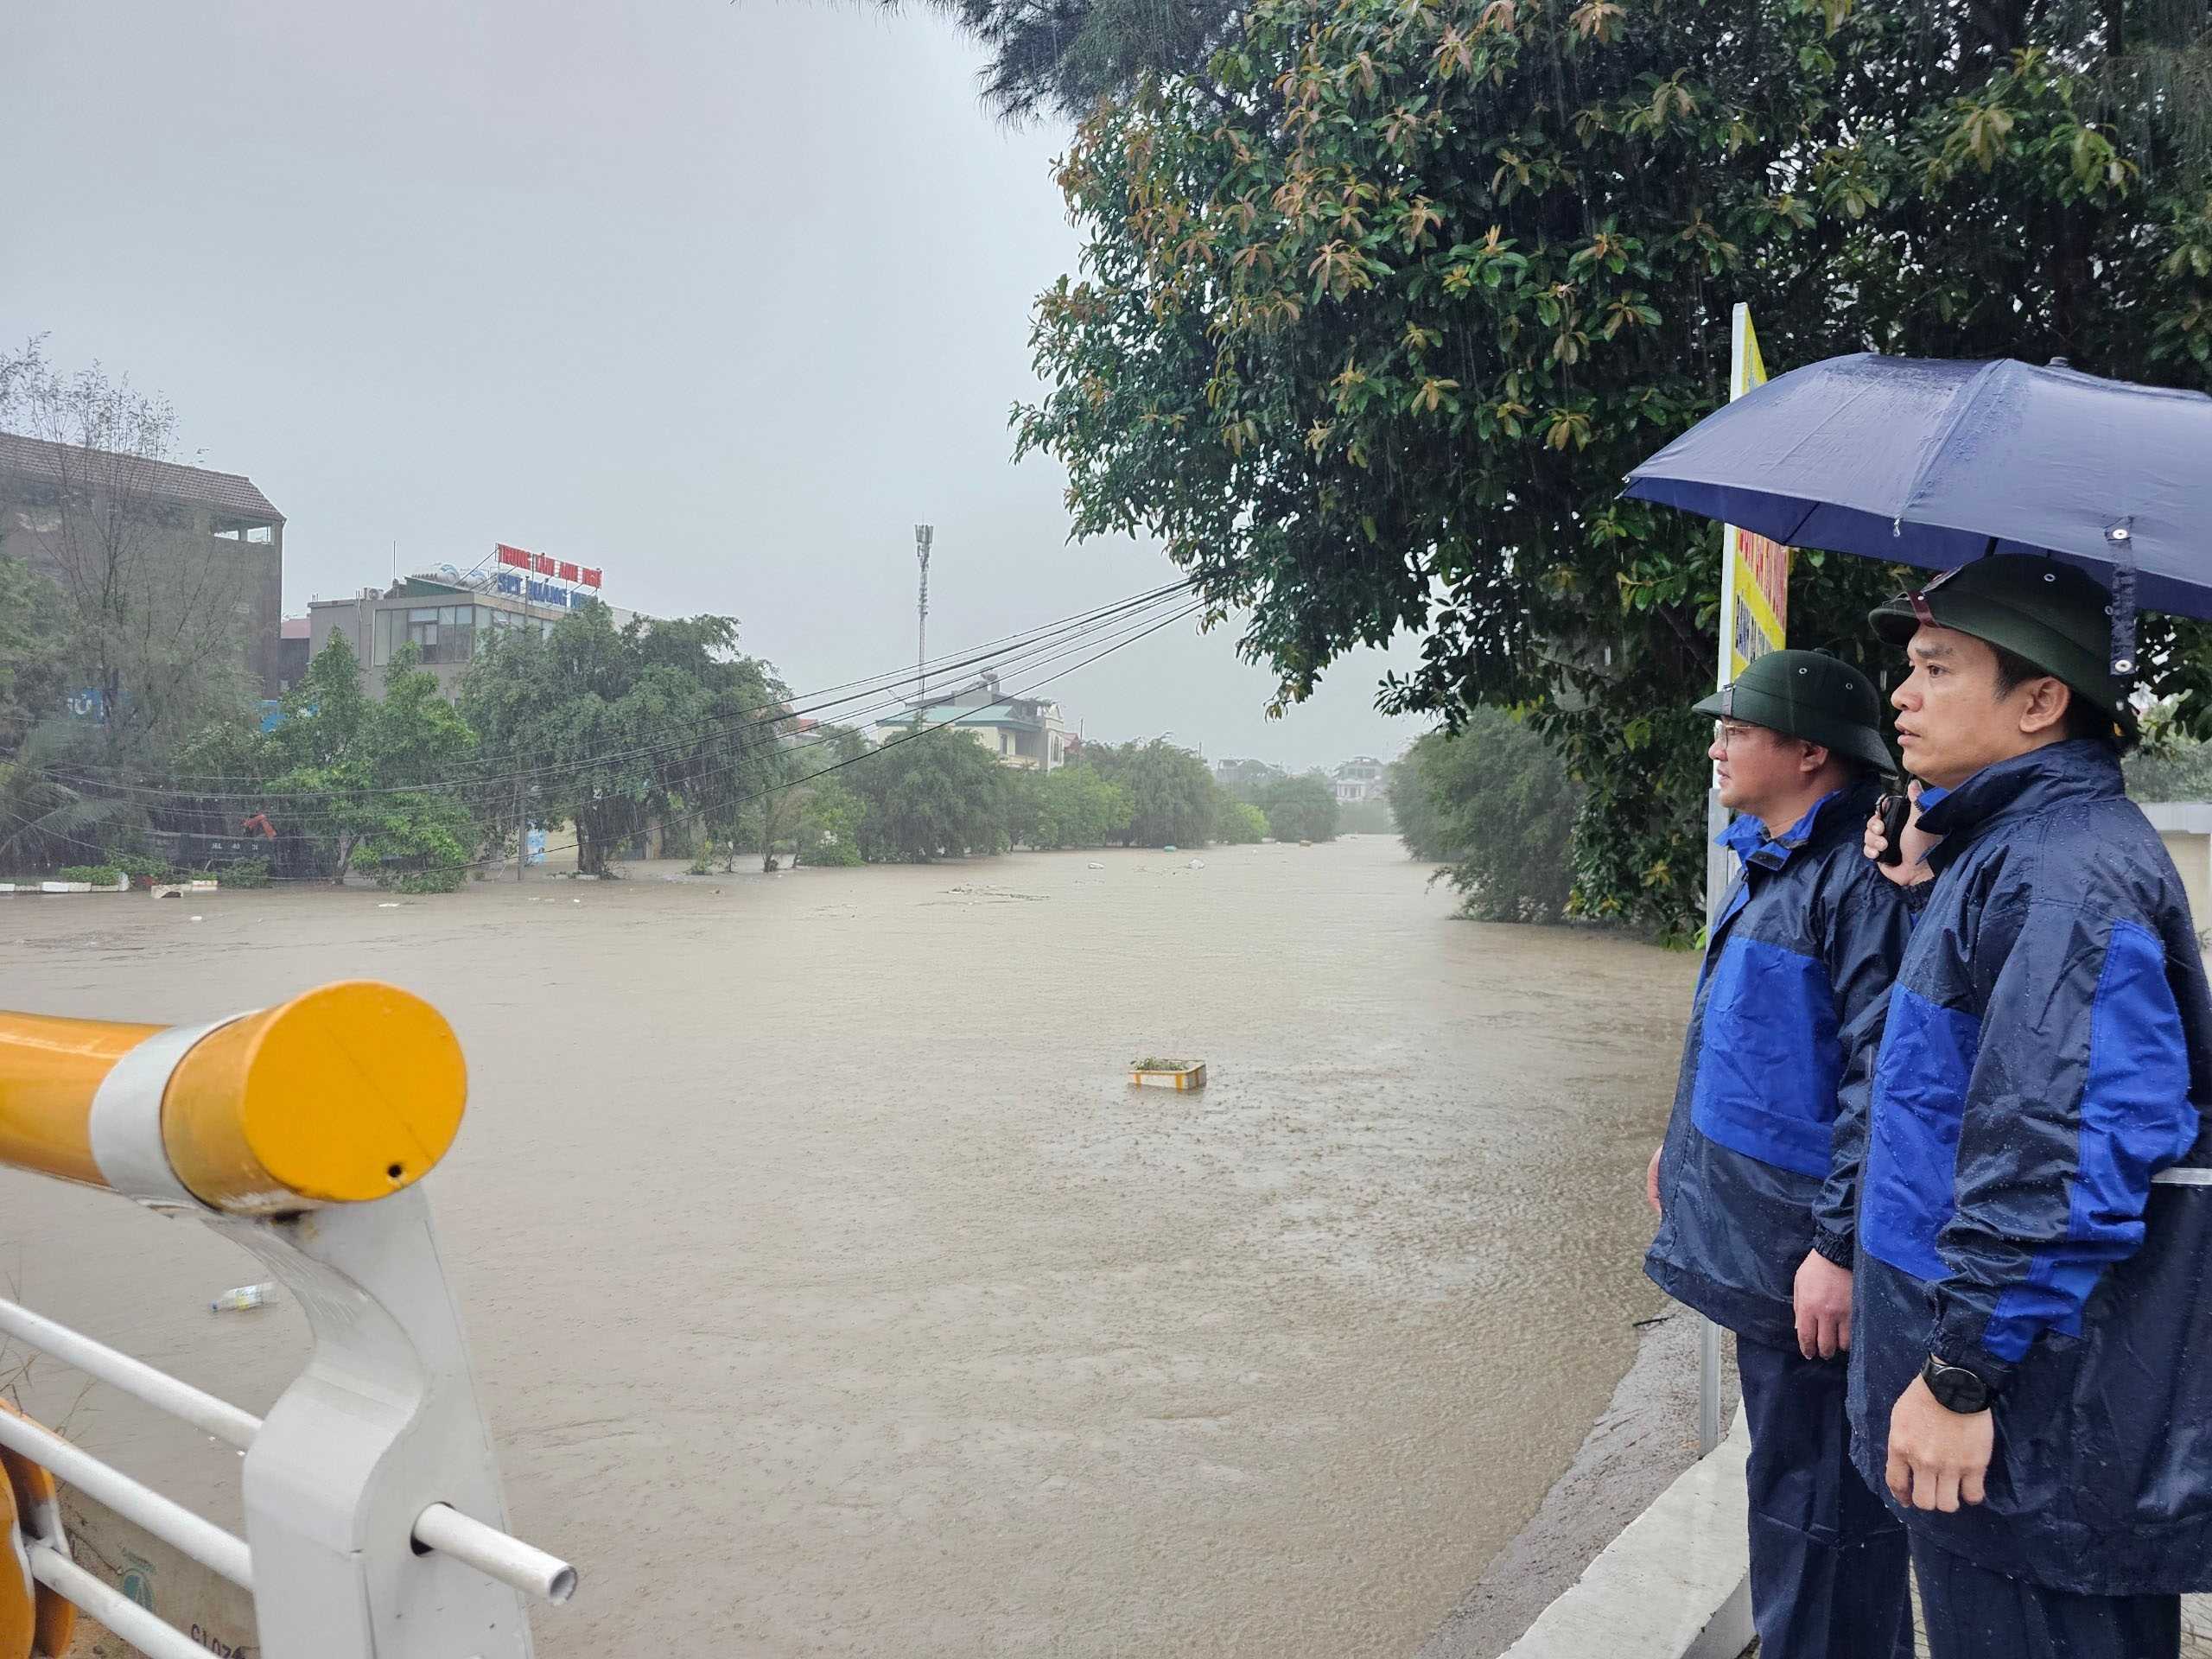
375, 1527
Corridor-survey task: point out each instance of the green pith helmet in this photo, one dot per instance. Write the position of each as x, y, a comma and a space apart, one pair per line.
2051, 615
1811, 695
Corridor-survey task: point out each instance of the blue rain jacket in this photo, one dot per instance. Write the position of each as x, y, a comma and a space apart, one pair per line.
2048, 1049
1761, 1154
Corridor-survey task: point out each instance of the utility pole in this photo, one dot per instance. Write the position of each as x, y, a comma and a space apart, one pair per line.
522, 826
923, 535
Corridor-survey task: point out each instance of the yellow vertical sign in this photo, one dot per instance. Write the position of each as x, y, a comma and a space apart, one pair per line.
1754, 571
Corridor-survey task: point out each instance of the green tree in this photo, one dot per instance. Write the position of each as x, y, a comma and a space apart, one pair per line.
1377, 306
611, 728
1062, 59
49, 815
802, 757
830, 824
373, 785
2169, 766
1239, 824
1303, 808
933, 795
1172, 796
32, 683
1430, 832
1076, 806
1494, 802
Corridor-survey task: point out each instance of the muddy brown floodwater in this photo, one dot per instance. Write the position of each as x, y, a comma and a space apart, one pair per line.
832, 1293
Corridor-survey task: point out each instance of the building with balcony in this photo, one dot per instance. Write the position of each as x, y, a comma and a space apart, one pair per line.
204, 545
447, 614
1359, 780
1026, 733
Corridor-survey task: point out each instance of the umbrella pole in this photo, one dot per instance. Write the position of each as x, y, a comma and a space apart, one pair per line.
1708, 1335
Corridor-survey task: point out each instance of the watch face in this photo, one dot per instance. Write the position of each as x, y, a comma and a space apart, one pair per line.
1955, 1388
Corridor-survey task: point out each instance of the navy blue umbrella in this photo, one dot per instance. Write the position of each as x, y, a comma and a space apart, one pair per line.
1931, 463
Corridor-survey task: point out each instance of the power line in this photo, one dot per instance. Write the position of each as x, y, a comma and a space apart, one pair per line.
1125, 631
1007, 647
1033, 652
891, 743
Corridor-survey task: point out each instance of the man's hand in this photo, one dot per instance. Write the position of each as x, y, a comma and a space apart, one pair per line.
1937, 1457
1651, 1182
1822, 1299
1916, 842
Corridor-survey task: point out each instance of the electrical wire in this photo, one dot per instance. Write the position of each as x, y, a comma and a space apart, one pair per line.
1128, 631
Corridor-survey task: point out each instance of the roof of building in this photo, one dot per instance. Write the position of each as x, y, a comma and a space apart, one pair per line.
229, 493
296, 627
989, 713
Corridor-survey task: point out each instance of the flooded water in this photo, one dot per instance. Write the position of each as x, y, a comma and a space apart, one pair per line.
832, 1293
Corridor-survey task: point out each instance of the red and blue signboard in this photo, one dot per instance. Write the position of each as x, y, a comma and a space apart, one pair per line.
541, 564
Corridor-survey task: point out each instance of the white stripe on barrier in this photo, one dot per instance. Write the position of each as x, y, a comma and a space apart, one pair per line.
2183, 1178
134, 1377
126, 1121
203, 1541
148, 1634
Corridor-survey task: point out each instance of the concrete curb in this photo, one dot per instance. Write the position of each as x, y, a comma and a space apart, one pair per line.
1673, 1585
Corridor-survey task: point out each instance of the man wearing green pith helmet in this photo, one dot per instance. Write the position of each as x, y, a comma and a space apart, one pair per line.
1756, 1182
2032, 1376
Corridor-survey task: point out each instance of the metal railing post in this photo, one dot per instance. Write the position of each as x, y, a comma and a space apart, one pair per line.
375, 1527
382, 1425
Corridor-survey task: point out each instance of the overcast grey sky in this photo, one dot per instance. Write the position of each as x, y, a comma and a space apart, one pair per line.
720, 298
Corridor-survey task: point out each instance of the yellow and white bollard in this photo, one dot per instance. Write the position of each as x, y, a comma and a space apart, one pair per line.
374, 1519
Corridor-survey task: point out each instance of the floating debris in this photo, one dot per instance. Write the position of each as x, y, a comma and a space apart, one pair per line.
1155, 1073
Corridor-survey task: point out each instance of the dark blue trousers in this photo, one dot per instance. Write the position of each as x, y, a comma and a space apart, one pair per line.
1973, 1612
1827, 1558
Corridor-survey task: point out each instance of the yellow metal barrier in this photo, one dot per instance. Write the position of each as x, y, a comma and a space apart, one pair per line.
348, 1092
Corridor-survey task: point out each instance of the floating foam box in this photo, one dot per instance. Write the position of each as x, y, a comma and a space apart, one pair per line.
1191, 1076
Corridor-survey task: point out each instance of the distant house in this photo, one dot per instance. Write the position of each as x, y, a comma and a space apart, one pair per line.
1026, 733
73, 514
1359, 780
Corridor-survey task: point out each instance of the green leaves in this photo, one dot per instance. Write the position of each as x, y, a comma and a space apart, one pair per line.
1465, 264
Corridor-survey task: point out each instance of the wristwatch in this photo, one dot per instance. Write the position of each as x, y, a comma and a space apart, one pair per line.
1955, 1388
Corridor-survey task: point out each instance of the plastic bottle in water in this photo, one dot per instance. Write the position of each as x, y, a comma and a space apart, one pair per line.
238, 1300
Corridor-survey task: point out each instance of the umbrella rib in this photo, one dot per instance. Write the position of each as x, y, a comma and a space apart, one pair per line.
1960, 407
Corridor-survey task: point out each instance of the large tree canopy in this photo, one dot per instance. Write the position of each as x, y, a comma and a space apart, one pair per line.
609, 728
1377, 308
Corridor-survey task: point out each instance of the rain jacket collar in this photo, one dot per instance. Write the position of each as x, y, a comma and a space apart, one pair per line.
1748, 839
2078, 770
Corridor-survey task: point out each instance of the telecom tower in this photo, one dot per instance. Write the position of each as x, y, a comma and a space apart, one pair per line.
924, 534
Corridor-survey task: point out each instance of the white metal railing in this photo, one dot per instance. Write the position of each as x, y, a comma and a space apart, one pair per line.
374, 1522
439, 1526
